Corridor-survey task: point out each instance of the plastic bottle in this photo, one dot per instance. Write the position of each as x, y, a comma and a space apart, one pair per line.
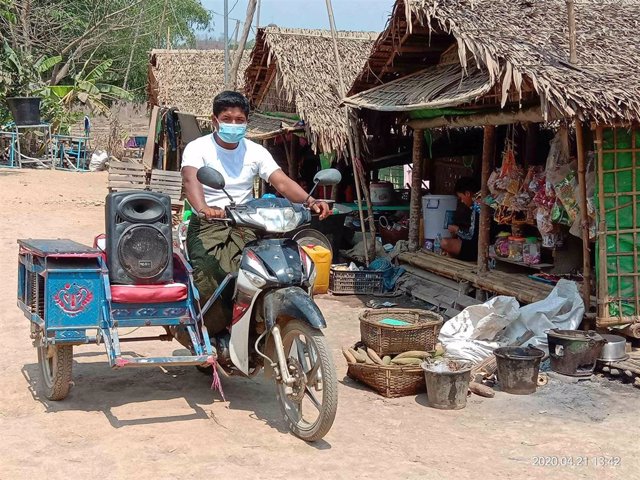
436, 245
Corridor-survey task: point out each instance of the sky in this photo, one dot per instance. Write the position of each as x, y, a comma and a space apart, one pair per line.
370, 15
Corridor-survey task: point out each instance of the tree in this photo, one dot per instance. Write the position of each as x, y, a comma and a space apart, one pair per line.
120, 30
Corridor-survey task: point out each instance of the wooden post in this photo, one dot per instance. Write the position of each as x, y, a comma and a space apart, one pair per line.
416, 190
602, 291
488, 153
292, 157
531, 142
584, 217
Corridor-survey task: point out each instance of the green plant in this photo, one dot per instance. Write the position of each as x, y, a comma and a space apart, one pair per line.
87, 89
21, 75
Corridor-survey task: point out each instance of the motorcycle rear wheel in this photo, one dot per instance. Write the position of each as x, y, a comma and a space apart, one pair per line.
310, 362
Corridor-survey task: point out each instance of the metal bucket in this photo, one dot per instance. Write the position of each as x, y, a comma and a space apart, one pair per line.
447, 383
518, 369
574, 352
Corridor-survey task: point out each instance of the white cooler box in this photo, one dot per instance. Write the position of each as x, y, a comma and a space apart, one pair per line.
438, 212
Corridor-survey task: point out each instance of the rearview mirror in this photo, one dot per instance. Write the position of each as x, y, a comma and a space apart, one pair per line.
330, 176
211, 178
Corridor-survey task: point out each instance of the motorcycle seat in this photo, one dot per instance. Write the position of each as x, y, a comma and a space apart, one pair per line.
170, 292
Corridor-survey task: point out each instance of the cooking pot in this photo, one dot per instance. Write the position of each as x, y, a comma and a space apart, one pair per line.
614, 349
381, 193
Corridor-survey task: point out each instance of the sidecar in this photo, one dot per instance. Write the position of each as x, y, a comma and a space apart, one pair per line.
65, 292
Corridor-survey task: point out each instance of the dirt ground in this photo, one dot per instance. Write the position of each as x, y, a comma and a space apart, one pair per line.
169, 425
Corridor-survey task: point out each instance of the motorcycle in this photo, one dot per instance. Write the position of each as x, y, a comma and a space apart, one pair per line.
275, 323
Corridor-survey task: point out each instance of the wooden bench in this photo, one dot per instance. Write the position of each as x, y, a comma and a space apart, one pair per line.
516, 285
165, 181
126, 176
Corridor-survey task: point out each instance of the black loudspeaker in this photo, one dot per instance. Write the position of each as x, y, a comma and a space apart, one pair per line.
139, 240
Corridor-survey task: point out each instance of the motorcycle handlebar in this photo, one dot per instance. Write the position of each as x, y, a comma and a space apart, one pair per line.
211, 220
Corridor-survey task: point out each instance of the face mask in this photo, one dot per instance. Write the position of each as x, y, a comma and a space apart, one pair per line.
231, 132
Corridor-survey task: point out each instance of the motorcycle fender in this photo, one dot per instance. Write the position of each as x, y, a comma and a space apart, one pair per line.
239, 344
291, 302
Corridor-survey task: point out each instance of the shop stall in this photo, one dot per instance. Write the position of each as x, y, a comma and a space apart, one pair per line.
444, 68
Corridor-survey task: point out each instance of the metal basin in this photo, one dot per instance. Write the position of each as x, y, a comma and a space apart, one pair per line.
614, 349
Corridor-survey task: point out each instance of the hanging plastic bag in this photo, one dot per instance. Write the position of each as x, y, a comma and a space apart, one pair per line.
566, 193
559, 215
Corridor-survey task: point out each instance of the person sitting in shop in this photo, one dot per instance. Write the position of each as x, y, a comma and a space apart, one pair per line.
463, 243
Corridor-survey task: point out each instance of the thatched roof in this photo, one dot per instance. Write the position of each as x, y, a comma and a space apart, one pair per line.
436, 87
520, 43
187, 79
262, 126
294, 71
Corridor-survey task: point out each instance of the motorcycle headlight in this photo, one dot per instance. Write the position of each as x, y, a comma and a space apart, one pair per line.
278, 220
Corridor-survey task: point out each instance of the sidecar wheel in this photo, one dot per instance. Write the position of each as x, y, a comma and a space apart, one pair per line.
56, 362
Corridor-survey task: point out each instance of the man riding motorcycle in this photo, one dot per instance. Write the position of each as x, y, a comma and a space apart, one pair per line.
215, 248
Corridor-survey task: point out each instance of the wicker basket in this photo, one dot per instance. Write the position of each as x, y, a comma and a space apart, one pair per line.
422, 334
389, 381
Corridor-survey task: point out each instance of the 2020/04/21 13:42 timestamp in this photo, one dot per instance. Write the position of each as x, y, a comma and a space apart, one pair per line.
576, 461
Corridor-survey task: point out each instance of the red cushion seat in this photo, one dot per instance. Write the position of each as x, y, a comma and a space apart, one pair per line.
170, 292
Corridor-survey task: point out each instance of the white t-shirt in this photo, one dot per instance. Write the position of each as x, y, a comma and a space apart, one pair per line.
238, 167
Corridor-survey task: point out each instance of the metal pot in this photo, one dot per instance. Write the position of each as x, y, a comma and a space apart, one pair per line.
574, 352
614, 349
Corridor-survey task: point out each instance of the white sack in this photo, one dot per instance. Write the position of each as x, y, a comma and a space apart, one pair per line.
475, 332
98, 160
472, 333
563, 308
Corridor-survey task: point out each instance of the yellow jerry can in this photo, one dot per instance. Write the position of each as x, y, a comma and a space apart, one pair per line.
321, 257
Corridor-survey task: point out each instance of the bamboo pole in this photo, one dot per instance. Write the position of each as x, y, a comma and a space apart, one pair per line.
226, 44
488, 153
416, 189
352, 152
602, 291
361, 175
532, 114
237, 56
584, 216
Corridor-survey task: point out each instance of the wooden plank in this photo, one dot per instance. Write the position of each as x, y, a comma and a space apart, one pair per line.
166, 178
132, 165
518, 286
126, 179
166, 188
127, 185
122, 171
430, 277
147, 156
166, 183
133, 175
166, 173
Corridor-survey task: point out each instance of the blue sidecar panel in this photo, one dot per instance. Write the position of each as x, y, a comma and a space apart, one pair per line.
74, 299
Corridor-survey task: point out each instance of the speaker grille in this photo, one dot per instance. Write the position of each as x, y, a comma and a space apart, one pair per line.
143, 252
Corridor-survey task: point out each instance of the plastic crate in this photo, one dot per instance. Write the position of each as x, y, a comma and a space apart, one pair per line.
354, 282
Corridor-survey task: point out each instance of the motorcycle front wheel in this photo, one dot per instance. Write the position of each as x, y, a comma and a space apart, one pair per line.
310, 404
